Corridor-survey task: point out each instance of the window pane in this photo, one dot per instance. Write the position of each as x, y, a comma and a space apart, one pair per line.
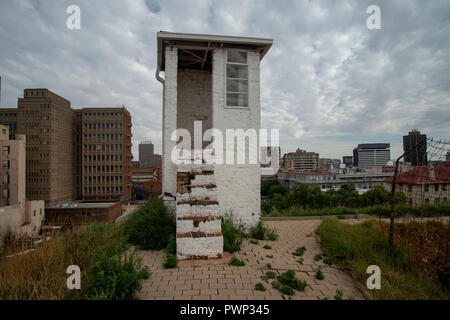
237, 71
237, 99
237, 85
237, 56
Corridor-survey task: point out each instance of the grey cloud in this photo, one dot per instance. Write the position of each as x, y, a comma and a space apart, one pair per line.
326, 75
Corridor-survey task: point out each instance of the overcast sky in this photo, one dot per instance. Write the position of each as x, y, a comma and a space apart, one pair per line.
328, 83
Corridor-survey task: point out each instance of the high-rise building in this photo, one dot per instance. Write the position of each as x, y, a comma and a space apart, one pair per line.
415, 148
104, 154
371, 155
146, 154
47, 121
82, 154
303, 160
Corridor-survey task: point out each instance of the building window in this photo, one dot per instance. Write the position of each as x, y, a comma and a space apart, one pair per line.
237, 79
436, 187
426, 188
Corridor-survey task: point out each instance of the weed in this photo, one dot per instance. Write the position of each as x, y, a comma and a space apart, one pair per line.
232, 233
328, 261
267, 247
270, 274
269, 256
236, 262
254, 241
288, 279
317, 257
260, 287
338, 295
171, 261
319, 274
299, 252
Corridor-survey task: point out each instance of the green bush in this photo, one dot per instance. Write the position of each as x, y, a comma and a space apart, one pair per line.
115, 277
171, 261
232, 234
151, 226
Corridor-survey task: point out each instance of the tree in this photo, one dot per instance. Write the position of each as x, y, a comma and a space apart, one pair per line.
301, 194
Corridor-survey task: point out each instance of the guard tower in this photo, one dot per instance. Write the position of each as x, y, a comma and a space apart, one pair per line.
213, 81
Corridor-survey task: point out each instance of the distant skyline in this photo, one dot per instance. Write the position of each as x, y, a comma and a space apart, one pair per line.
328, 83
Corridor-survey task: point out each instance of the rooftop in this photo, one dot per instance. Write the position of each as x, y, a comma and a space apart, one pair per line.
425, 174
82, 205
200, 45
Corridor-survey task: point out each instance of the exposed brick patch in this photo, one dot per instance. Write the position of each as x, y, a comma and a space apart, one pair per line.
198, 235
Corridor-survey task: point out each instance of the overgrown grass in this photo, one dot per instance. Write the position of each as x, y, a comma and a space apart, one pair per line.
429, 210
356, 247
109, 268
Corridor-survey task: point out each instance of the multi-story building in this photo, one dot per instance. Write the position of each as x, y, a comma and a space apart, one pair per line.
82, 154
104, 154
47, 120
303, 160
347, 160
327, 164
362, 181
425, 184
17, 216
146, 152
415, 148
371, 154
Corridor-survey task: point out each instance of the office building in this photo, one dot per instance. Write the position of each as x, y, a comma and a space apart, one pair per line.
415, 148
303, 160
371, 154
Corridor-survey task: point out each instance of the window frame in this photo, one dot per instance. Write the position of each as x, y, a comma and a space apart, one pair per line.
226, 79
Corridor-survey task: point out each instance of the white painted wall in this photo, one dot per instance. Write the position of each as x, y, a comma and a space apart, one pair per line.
238, 186
169, 177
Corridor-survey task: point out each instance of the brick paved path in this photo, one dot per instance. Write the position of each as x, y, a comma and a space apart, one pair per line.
221, 281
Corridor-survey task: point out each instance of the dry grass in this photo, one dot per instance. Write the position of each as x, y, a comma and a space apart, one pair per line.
40, 274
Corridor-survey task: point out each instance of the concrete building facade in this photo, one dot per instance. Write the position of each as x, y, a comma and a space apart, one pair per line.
72, 154
17, 216
371, 155
415, 148
215, 80
303, 160
104, 154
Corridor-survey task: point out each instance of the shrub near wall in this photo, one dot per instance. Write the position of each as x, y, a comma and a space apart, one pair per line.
151, 226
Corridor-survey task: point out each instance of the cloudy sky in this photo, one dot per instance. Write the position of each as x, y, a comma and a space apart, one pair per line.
328, 83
